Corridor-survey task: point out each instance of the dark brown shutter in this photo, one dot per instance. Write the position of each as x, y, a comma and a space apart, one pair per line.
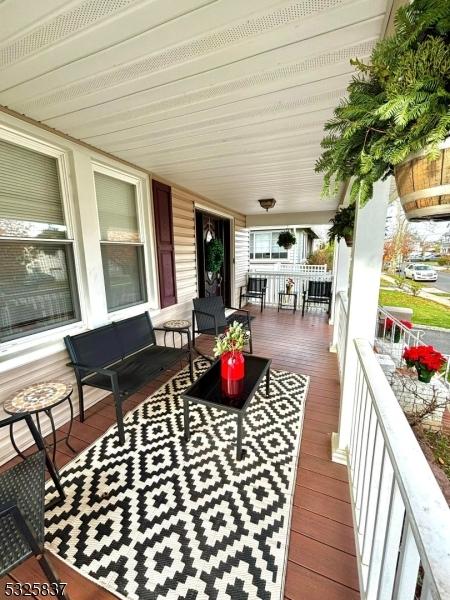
162, 203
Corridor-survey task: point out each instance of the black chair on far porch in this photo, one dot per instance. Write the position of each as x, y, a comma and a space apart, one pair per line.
22, 493
317, 292
209, 318
255, 288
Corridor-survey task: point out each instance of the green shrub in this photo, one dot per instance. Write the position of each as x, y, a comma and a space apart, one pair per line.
323, 256
444, 261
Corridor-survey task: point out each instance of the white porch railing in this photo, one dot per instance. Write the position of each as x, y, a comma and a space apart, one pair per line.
302, 269
340, 322
276, 281
401, 519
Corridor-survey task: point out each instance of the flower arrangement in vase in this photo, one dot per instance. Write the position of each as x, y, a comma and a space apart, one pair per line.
395, 333
425, 359
289, 285
229, 347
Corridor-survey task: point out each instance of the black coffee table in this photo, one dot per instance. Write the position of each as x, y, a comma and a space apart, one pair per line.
207, 390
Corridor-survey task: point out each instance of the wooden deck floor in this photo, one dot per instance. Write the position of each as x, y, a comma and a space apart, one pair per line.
322, 560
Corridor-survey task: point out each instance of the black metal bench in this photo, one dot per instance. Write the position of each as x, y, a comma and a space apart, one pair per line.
121, 357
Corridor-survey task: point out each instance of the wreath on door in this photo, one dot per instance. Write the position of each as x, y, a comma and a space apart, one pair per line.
214, 255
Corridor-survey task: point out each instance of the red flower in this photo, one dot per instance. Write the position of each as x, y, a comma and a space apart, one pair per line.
425, 357
389, 323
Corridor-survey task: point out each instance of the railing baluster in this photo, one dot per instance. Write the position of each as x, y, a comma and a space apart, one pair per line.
384, 499
360, 441
426, 593
391, 544
408, 565
369, 501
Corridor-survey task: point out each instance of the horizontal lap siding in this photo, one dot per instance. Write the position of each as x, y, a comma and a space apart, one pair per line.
242, 235
242, 257
185, 253
45, 369
54, 366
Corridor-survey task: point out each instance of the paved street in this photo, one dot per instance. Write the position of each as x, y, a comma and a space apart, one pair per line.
442, 283
439, 339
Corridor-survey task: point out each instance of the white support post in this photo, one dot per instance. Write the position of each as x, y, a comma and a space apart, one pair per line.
341, 266
365, 271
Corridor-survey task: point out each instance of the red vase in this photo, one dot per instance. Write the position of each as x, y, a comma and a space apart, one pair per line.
232, 374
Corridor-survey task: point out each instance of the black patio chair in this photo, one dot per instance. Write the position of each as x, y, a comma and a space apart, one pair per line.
22, 493
317, 292
209, 318
256, 288
40, 444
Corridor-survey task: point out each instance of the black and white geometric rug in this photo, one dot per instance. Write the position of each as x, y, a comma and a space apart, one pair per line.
161, 519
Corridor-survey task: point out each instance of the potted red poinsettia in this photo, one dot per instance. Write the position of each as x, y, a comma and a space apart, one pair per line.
426, 359
389, 326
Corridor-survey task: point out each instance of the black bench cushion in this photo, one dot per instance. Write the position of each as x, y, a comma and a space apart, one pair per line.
95, 348
319, 289
108, 344
137, 370
135, 333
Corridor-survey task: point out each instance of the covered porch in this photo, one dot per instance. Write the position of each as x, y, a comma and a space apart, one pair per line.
321, 559
133, 134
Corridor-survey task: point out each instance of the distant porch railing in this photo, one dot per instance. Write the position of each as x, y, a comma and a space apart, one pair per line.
276, 280
400, 515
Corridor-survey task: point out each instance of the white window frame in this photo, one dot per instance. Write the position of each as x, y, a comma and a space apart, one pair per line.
12, 347
145, 241
265, 260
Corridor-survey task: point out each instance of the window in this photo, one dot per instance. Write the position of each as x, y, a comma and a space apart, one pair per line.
263, 245
37, 277
121, 244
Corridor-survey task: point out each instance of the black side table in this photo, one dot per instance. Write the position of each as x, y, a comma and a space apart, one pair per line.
180, 326
282, 304
40, 398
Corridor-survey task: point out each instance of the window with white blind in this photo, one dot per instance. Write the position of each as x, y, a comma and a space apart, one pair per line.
264, 246
38, 288
121, 242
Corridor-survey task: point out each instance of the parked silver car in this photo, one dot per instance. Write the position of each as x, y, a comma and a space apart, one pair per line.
419, 272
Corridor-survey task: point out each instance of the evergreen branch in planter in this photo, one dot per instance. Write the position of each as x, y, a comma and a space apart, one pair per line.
342, 225
397, 105
214, 255
286, 240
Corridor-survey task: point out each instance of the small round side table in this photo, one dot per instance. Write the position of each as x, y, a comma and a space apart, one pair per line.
180, 326
40, 398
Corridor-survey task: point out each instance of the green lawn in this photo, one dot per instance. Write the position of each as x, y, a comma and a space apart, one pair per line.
426, 312
440, 444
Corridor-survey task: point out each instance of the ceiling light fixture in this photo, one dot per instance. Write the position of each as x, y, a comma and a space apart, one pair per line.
267, 203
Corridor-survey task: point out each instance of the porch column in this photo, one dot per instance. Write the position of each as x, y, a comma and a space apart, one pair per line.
365, 271
341, 266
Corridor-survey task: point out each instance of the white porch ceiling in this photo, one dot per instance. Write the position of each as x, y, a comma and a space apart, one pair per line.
225, 97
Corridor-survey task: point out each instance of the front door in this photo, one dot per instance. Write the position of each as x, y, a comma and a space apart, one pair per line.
213, 283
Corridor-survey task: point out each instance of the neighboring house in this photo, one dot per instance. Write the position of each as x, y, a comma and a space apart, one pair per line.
445, 242
264, 249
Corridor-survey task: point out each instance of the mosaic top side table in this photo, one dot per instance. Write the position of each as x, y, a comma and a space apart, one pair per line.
180, 326
40, 398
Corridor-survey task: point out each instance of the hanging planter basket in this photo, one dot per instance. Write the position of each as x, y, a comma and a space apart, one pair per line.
423, 185
286, 240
